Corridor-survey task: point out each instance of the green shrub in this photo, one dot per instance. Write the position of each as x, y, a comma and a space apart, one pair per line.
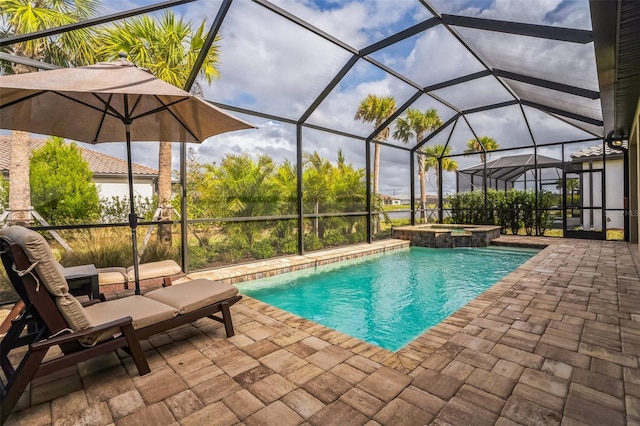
311, 242
544, 217
334, 239
201, 256
289, 247
263, 249
511, 210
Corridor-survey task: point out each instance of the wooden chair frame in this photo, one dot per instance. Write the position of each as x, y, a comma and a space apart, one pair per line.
41, 325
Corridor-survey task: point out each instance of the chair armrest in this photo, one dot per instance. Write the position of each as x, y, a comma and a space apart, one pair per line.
67, 338
91, 302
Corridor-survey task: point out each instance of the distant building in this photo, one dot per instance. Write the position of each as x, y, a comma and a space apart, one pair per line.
109, 173
402, 200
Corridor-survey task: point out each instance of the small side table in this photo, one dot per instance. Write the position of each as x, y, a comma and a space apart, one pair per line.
83, 281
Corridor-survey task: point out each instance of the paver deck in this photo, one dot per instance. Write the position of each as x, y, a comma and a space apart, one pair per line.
555, 342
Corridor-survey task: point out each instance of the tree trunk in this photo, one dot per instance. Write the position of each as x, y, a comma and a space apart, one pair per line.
423, 189
437, 183
19, 190
376, 174
164, 192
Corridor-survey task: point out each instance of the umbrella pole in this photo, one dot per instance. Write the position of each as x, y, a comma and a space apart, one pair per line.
133, 218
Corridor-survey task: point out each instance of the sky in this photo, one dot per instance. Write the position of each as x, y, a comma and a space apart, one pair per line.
272, 66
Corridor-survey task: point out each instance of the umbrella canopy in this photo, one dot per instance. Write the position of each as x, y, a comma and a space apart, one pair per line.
109, 102
92, 104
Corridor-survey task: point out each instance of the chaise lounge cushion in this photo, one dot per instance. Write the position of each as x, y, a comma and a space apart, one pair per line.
113, 275
142, 310
162, 268
39, 253
193, 295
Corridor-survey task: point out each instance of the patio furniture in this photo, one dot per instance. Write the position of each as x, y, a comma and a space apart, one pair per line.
53, 317
162, 272
83, 280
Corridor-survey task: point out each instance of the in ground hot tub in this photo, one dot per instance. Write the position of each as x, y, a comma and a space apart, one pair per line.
447, 236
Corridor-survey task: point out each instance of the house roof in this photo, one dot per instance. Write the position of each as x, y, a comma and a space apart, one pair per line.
99, 163
596, 151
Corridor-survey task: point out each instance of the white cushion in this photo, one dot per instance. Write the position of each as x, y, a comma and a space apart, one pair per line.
192, 295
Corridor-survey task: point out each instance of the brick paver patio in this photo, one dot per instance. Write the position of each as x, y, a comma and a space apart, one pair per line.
555, 342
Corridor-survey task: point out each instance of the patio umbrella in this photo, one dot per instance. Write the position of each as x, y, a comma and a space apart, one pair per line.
109, 102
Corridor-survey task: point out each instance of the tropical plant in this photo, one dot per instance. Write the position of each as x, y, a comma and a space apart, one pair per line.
511, 210
436, 157
4, 194
69, 48
284, 232
483, 144
544, 217
116, 209
317, 184
376, 109
169, 48
244, 188
62, 184
417, 124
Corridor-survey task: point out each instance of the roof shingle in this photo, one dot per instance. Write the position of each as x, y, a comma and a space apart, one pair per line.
99, 163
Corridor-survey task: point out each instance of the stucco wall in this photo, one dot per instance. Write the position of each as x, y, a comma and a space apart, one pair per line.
110, 187
614, 181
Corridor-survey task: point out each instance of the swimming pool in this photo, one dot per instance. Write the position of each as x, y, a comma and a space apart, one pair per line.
389, 299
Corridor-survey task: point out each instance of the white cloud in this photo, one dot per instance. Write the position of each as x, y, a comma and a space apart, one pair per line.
273, 66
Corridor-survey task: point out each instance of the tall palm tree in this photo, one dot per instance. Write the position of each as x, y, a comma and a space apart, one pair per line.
482, 145
432, 154
168, 47
417, 123
24, 17
376, 109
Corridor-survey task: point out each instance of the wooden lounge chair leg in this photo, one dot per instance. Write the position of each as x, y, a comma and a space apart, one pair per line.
228, 323
15, 311
136, 350
24, 374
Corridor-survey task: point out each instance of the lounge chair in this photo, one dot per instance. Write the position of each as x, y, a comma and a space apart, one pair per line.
53, 317
150, 274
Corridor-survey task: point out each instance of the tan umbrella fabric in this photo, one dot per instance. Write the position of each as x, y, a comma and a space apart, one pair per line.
109, 102
87, 104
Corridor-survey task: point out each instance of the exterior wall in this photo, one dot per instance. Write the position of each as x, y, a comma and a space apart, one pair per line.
614, 181
112, 187
634, 179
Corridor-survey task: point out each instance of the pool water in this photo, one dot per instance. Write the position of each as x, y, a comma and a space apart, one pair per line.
390, 299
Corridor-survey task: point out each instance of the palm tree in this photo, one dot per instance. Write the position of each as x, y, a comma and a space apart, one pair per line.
24, 17
417, 123
482, 145
376, 109
317, 183
245, 188
168, 47
432, 154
